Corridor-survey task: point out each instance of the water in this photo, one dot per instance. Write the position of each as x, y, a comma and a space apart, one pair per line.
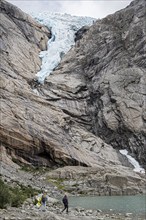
119, 204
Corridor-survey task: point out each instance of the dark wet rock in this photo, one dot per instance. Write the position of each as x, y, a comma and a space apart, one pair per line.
79, 34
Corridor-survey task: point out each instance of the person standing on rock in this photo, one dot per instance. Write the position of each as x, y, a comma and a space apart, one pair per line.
44, 200
65, 202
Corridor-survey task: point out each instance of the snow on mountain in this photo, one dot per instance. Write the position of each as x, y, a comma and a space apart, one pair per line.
63, 28
137, 167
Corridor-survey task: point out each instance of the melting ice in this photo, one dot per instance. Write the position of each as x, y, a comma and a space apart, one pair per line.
137, 167
63, 28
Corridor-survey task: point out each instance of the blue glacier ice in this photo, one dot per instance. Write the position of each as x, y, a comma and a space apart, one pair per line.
63, 28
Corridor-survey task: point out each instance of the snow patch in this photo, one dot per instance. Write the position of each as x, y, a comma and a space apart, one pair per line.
137, 167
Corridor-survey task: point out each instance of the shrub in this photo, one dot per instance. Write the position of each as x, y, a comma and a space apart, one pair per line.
14, 196
4, 195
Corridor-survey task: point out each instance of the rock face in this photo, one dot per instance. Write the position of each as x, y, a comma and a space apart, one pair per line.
99, 180
103, 80
79, 34
21, 40
93, 103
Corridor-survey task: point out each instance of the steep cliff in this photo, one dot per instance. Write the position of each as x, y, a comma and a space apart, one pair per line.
101, 82
92, 104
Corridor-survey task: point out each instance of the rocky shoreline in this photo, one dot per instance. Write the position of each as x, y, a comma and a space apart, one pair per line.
13, 174
53, 212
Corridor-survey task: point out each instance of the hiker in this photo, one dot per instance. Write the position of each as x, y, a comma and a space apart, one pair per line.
44, 199
37, 201
65, 202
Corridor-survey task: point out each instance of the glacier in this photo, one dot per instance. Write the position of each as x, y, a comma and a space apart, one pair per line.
63, 28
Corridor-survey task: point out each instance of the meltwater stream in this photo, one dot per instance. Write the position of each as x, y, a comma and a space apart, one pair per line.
63, 28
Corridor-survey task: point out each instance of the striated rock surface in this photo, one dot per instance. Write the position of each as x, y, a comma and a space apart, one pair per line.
92, 105
101, 180
101, 82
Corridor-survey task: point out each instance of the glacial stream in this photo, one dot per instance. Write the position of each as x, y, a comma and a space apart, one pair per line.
117, 204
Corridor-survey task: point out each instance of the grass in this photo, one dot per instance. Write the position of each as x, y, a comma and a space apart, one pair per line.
33, 169
57, 182
14, 196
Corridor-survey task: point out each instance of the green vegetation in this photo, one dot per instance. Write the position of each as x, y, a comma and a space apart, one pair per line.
14, 196
57, 182
33, 169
